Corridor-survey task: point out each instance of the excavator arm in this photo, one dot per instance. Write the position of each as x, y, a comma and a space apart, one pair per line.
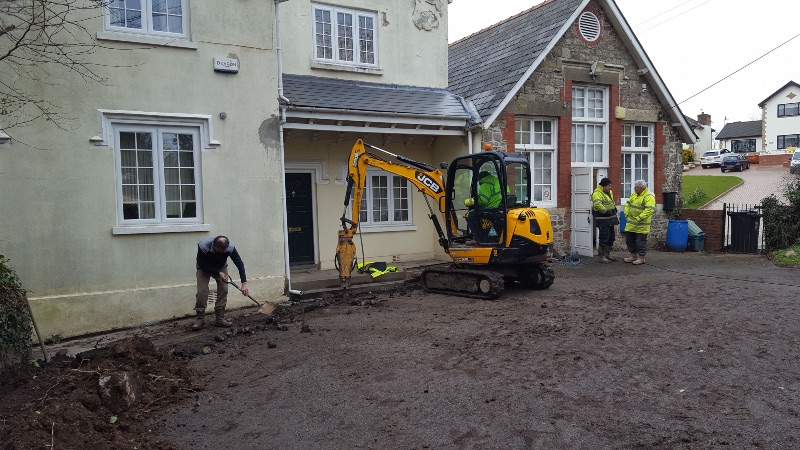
426, 178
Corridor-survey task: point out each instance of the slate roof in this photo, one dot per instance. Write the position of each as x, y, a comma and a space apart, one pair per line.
740, 130
363, 97
485, 66
693, 123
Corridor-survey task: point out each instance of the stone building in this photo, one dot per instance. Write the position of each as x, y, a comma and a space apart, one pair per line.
568, 83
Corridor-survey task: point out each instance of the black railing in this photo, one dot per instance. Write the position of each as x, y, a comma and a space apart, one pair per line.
743, 228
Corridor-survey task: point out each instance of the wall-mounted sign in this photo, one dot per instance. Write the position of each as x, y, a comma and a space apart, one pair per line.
226, 65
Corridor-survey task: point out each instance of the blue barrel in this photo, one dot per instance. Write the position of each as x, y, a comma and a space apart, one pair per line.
677, 235
622, 221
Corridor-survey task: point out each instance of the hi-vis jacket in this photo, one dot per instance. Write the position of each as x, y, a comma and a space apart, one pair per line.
639, 212
603, 209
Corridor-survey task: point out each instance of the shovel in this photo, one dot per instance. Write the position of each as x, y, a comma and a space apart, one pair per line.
265, 308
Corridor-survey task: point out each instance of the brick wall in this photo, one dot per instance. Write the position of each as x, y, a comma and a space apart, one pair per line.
775, 160
710, 221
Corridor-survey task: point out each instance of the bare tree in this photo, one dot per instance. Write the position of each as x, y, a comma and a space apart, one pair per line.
39, 38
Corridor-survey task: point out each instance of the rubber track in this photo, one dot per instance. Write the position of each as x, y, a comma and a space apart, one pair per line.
545, 278
462, 282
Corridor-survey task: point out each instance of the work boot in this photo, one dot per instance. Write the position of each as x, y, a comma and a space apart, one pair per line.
603, 255
608, 254
631, 258
221, 320
639, 260
199, 321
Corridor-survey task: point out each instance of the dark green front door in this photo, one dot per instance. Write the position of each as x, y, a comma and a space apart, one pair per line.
300, 218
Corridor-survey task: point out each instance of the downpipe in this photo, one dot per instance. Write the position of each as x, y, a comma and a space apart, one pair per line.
283, 101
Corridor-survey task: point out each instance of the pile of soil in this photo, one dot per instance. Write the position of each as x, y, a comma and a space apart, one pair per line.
99, 399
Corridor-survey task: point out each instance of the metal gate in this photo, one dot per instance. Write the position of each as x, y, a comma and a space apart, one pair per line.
743, 228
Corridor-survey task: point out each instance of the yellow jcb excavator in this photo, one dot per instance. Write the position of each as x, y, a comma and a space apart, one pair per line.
494, 234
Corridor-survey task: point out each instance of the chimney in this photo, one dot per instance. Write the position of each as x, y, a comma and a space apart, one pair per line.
704, 118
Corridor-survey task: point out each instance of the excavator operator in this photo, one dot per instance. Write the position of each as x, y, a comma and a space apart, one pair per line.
489, 196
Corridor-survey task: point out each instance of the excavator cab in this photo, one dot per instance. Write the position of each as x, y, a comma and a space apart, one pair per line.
483, 188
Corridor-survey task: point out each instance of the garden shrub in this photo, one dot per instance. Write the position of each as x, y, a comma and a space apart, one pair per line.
688, 156
15, 319
782, 222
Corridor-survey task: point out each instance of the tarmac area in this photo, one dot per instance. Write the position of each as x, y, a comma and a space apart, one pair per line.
691, 350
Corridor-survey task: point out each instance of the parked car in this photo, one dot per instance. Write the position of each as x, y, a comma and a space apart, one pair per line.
736, 161
713, 158
794, 164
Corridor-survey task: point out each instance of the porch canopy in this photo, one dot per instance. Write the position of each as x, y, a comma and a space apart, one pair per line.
325, 104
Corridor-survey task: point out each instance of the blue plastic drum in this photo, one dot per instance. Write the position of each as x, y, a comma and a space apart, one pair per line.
677, 235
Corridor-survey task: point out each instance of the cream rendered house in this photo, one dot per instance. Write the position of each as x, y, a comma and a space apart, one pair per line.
101, 213
377, 71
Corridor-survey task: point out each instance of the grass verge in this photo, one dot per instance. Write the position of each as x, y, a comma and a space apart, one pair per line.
787, 257
700, 189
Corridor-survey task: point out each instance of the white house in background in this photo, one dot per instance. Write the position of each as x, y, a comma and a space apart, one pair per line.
705, 134
780, 114
741, 137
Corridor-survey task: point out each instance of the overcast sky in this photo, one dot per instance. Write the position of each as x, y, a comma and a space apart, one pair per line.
693, 44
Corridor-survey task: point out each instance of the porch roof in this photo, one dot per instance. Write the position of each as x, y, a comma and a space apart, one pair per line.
318, 103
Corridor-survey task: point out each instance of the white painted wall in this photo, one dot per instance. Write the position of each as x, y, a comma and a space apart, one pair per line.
776, 126
406, 54
57, 189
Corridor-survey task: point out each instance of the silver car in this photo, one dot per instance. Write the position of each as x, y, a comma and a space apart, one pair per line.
794, 164
713, 158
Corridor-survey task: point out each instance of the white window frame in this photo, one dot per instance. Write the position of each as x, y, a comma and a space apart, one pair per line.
391, 225
633, 145
147, 20
356, 16
161, 223
589, 117
534, 146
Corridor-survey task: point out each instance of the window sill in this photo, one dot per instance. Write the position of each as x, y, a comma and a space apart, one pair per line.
387, 228
152, 229
346, 68
145, 39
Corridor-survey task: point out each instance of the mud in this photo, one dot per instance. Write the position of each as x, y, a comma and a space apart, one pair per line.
688, 351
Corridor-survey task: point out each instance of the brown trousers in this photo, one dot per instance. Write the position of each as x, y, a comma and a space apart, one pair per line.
201, 300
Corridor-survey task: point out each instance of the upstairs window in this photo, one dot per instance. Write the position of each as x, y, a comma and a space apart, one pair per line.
152, 17
789, 109
344, 36
589, 126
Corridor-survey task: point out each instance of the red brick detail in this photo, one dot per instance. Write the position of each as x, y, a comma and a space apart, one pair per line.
711, 221
614, 142
508, 131
659, 160
564, 169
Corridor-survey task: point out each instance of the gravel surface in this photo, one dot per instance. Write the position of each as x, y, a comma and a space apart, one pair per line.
691, 350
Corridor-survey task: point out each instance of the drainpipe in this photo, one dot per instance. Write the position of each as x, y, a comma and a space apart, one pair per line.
283, 101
